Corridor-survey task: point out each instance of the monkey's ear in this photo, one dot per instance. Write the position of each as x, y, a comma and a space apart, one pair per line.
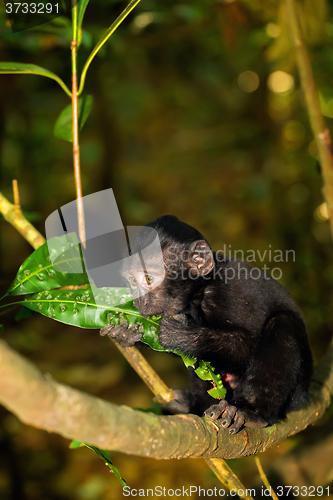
201, 260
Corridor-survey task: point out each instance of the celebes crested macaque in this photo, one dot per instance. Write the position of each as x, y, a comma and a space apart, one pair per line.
248, 327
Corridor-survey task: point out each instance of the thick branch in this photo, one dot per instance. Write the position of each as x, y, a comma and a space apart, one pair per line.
41, 402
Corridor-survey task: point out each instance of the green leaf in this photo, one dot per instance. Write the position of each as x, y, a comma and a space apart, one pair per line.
103, 454
63, 128
187, 360
1, 329
37, 273
31, 69
76, 444
93, 308
205, 371
82, 5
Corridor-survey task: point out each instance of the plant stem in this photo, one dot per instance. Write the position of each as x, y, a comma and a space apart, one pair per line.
14, 216
320, 132
16, 195
223, 472
264, 478
76, 147
148, 375
104, 38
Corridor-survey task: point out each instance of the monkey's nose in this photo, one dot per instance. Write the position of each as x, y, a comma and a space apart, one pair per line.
144, 300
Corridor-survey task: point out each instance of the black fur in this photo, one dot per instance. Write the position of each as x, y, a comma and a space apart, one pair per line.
251, 330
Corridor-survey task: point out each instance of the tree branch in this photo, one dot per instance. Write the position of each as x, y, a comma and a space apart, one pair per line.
14, 216
40, 401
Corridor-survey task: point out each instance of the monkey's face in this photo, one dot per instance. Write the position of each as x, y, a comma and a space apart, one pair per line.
158, 291
145, 279
155, 285
163, 279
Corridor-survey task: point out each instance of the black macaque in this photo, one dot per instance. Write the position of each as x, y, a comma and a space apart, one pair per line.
224, 311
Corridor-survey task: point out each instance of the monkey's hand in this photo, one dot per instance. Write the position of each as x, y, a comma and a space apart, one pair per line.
232, 417
125, 336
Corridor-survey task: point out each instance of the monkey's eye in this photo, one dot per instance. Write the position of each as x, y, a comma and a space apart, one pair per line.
150, 279
133, 281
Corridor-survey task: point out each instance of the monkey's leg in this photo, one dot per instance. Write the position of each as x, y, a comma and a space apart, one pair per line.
265, 391
181, 403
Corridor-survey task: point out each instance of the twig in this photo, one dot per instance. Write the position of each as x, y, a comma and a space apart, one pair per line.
16, 195
132, 4
320, 132
76, 147
223, 472
264, 478
17, 220
148, 375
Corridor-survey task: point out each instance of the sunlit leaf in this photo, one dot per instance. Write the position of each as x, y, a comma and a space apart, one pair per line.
63, 128
93, 308
37, 273
205, 371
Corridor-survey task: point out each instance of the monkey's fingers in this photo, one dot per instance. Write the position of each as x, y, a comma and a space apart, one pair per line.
106, 330
215, 411
229, 414
238, 422
125, 336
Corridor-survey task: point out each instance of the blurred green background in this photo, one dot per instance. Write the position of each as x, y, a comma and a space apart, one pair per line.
197, 113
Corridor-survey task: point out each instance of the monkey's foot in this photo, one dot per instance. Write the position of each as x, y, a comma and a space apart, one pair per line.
232, 417
179, 404
125, 336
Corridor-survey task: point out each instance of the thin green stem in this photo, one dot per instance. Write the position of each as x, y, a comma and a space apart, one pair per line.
227, 477
76, 147
264, 478
62, 84
104, 38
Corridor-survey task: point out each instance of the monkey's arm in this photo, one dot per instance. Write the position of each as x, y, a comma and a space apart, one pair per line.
221, 344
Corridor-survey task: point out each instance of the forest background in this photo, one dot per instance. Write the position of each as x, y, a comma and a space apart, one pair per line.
198, 113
